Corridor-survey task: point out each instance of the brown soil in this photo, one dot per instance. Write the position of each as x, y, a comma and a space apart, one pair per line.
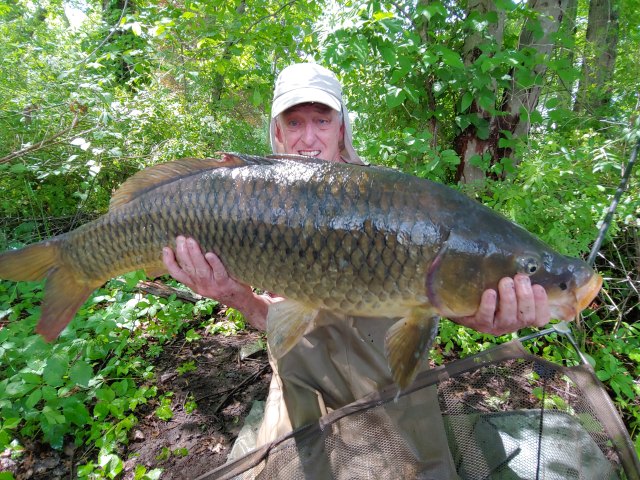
189, 444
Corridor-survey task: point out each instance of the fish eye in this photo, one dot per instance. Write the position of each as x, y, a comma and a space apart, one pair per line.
528, 265
563, 286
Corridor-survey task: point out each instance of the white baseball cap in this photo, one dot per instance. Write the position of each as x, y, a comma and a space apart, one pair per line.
306, 83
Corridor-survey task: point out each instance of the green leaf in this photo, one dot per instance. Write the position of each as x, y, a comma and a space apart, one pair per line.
85, 470
81, 373
552, 102
49, 393
181, 452
140, 473
32, 378
256, 98
136, 28
508, 5
451, 58
467, 100
53, 416
75, 412
389, 55
101, 410
55, 369
111, 464
395, 96
164, 412
18, 389
11, 423
105, 394
18, 168
33, 399
486, 102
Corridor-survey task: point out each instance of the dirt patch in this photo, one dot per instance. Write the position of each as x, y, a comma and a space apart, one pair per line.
223, 387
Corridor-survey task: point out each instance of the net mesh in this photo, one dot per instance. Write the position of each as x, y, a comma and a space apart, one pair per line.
506, 415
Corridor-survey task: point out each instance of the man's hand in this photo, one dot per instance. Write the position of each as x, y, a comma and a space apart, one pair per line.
521, 305
206, 275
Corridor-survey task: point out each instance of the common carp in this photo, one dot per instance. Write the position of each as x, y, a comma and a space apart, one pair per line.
362, 241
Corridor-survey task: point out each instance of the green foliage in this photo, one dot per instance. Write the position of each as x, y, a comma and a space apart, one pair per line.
94, 103
141, 473
89, 384
233, 323
164, 411
166, 453
186, 367
190, 404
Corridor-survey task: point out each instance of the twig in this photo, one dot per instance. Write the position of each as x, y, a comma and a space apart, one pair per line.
111, 33
162, 290
274, 14
238, 387
614, 203
45, 142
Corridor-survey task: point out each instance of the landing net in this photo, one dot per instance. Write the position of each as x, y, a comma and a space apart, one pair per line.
507, 415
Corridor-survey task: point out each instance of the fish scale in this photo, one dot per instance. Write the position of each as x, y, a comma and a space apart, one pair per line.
362, 241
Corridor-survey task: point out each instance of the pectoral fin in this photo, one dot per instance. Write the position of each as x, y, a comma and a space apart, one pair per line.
287, 322
155, 270
407, 342
64, 294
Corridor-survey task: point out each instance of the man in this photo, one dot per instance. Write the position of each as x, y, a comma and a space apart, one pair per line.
340, 360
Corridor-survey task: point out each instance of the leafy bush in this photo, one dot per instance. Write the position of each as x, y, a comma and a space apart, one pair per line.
88, 385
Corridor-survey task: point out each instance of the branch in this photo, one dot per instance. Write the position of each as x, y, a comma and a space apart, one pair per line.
162, 290
111, 33
406, 17
45, 142
614, 203
274, 14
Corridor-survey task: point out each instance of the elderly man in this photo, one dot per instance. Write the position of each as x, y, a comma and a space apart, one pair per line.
333, 365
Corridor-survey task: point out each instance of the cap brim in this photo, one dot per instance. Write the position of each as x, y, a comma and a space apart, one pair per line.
303, 95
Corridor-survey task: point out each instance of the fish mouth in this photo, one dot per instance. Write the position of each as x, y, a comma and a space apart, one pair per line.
587, 292
567, 308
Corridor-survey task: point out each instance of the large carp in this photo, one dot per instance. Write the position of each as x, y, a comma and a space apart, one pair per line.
351, 239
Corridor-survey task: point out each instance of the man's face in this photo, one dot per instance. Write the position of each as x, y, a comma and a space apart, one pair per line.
311, 129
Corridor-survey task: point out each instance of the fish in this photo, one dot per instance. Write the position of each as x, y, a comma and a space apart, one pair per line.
358, 241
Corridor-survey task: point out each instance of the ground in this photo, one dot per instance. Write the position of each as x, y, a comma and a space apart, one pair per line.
192, 442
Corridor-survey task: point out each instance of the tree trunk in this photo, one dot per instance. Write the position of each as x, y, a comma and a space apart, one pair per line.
599, 56
566, 50
468, 144
521, 98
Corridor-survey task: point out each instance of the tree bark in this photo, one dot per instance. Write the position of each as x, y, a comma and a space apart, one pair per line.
521, 98
599, 57
468, 144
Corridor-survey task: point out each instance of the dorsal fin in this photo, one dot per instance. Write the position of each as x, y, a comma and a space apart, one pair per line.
157, 175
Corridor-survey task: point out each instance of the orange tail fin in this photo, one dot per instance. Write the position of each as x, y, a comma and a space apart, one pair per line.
64, 292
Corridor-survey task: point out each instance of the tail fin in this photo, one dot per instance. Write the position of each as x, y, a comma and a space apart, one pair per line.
64, 292
29, 263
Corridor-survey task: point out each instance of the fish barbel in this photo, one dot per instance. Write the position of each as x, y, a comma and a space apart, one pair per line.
361, 241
